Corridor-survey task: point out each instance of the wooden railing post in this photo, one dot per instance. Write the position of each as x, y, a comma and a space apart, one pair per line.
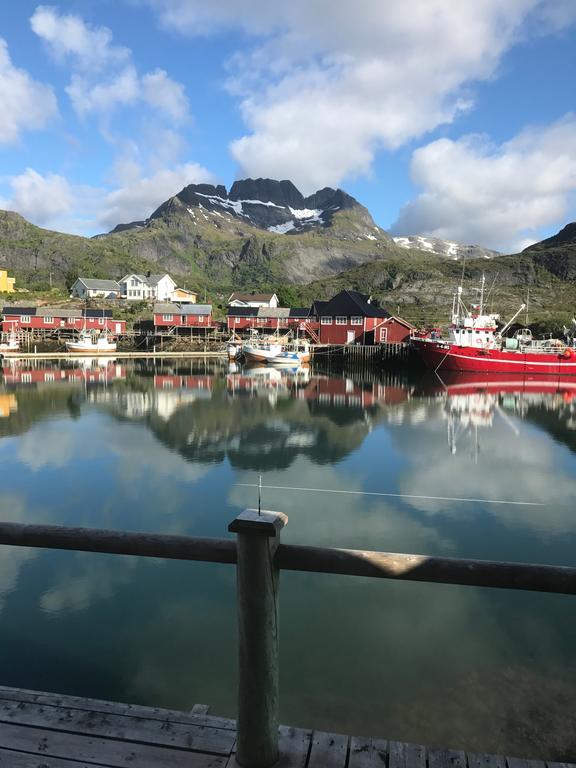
257, 589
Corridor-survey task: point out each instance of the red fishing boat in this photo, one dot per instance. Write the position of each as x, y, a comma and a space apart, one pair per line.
475, 344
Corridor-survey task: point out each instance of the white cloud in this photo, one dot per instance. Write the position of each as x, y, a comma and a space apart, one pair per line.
498, 196
25, 103
39, 198
122, 89
328, 84
103, 74
68, 35
141, 195
165, 94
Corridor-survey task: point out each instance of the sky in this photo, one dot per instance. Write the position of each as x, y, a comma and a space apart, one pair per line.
451, 119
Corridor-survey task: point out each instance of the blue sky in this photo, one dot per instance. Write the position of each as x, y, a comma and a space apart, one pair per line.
454, 120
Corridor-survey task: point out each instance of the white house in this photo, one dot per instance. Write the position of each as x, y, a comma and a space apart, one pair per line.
88, 288
253, 300
143, 287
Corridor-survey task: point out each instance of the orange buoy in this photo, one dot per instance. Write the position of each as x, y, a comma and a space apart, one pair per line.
567, 354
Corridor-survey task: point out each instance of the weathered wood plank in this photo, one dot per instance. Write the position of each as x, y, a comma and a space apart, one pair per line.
107, 725
293, 745
328, 750
200, 709
446, 758
102, 752
367, 753
10, 759
406, 755
486, 761
516, 762
119, 708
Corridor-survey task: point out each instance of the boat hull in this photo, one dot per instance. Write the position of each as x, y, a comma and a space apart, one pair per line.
97, 349
441, 356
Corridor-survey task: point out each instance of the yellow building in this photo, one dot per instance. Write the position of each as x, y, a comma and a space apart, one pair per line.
183, 296
6, 283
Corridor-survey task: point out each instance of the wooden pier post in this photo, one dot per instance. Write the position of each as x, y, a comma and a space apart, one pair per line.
257, 589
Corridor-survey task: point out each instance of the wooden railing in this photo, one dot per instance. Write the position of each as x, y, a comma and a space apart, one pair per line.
259, 556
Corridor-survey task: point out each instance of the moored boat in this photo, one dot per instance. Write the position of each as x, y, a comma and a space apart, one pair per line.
475, 344
90, 343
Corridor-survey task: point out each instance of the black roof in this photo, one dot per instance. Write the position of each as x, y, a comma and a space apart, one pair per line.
300, 312
97, 312
19, 310
242, 311
349, 304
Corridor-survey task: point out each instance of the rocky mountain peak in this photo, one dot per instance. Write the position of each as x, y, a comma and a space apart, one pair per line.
282, 193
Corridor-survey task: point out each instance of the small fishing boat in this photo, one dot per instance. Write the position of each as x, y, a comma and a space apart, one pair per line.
294, 354
91, 343
261, 352
9, 343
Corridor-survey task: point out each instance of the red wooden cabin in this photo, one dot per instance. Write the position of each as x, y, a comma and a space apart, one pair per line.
183, 316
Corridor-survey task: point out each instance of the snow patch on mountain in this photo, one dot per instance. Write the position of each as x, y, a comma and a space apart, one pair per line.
446, 248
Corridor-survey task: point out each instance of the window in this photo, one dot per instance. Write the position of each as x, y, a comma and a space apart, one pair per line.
133, 281
100, 321
48, 320
356, 320
383, 334
200, 318
326, 321
168, 384
25, 318
26, 378
341, 321
168, 318
236, 320
49, 377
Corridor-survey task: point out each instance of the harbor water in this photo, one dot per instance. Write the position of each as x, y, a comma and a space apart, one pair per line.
384, 461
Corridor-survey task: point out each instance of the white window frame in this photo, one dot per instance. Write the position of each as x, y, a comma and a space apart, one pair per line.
48, 320
200, 318
383, 335
341, 320
356, 320
101, 320
326, 320
24, 318
168, 318
26, 378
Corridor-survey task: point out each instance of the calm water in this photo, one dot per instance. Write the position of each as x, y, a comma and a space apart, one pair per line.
177, 448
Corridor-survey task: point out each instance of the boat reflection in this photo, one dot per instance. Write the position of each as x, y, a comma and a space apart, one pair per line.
472, 402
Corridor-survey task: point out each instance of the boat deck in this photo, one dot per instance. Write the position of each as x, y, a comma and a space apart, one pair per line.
41, 730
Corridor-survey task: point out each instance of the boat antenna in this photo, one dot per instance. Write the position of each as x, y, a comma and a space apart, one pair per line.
527, 303
259, 494
482, 294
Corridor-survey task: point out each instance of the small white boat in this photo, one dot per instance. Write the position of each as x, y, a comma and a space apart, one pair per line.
10, 343
261, 352
295, 354
91, 343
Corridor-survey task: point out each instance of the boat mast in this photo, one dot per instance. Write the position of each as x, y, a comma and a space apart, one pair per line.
482, 295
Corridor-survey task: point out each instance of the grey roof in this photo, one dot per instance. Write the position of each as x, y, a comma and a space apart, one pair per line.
95, 284
58, 312
273, 312
163, 308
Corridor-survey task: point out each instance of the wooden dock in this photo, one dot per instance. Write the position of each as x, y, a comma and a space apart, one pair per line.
111, 355
43, 730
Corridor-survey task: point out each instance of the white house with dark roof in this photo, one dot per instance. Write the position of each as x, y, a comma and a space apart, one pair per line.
253, 300
93, 288
143, 287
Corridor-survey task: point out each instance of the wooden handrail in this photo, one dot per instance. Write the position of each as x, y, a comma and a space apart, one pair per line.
443, 570
119, 542
348, 562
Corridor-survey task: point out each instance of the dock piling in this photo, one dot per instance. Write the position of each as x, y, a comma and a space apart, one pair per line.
257, 587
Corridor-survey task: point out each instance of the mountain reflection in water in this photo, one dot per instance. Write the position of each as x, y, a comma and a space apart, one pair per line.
169, 446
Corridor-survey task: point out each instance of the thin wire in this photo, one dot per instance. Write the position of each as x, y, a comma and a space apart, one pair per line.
395, 495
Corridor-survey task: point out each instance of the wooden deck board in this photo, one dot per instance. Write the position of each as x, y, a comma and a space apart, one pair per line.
328, 750
41, 730
111, 726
